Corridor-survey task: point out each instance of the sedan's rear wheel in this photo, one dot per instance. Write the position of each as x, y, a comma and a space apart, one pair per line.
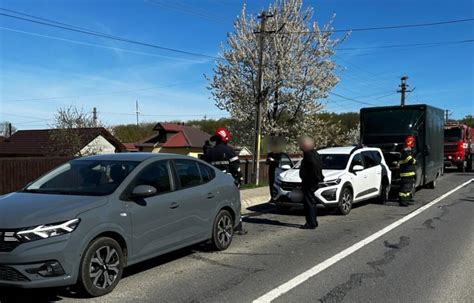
101, 267
345, 201
223, 230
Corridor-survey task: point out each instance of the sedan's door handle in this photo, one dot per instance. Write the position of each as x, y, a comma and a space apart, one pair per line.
210, 195
174, 205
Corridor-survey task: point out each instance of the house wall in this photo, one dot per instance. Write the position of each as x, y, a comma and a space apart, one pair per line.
99, 145
192, 152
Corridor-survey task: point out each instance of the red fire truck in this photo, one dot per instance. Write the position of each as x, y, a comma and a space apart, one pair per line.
458, 146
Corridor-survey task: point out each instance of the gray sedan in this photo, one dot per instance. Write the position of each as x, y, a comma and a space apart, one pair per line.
89, 218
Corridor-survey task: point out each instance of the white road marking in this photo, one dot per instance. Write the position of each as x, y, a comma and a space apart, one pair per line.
285, 287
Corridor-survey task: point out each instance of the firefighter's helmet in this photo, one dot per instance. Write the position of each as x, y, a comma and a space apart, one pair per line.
223, 134
410, 141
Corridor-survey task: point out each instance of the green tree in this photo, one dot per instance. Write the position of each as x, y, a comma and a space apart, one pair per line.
468, 120
131, 133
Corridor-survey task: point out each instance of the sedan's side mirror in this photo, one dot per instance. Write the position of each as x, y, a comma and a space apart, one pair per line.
143, 191
357, 168
285, 167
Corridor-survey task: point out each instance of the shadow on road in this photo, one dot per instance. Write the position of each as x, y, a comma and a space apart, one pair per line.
17, 295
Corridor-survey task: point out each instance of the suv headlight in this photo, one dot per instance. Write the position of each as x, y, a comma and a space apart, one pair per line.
48, 230
330, 182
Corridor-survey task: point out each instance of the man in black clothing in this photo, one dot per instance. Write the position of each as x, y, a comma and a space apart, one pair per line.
311, 174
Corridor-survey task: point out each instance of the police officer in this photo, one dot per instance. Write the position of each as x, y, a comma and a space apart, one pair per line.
224, 158
407, 172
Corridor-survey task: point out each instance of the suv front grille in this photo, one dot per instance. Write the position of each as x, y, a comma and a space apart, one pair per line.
8, 241
11, 274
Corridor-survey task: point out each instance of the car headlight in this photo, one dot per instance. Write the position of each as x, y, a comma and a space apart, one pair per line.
330, 182
48, 230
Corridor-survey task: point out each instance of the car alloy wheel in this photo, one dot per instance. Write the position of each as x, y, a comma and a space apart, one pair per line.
101, 267
104, 267
345, 204
223, 230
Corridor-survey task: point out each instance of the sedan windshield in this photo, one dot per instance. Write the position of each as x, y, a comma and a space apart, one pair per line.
83, 177
331, 161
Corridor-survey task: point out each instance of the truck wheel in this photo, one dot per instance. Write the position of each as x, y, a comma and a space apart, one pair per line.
345, 201
432, 184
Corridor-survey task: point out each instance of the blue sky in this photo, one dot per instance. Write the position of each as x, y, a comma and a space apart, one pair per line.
44, 68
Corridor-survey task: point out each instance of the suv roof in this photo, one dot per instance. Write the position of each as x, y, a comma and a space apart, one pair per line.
344, 149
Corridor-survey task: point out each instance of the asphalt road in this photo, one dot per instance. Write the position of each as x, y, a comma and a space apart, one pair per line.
426, 259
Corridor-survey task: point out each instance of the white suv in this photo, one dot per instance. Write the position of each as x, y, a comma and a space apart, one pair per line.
351, 174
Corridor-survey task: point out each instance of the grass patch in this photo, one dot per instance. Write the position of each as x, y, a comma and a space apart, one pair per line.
252, 186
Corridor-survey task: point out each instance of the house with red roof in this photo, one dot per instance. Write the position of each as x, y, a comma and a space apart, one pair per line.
174, 138
39, 143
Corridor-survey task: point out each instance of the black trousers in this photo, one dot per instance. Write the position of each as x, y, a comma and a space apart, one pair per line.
407, 185
310, 210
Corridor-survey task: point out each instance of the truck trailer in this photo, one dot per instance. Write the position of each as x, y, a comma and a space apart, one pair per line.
387, 127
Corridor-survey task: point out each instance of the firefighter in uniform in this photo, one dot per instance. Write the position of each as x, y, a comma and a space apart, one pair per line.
224, 158
407, 172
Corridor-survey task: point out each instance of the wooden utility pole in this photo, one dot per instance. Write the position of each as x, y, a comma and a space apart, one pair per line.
259, 102
403, 90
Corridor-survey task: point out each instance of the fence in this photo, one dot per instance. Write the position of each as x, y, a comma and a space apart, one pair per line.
15, 173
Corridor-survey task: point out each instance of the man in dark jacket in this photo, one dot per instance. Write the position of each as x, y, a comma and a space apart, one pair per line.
311, 174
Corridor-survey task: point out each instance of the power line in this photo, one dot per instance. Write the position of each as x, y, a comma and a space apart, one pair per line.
351, 99
440, 43
364, 29
97, 45
99, 94
74, 28
188, 9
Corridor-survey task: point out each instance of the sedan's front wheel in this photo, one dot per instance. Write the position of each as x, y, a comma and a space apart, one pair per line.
101, 267
223, 230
